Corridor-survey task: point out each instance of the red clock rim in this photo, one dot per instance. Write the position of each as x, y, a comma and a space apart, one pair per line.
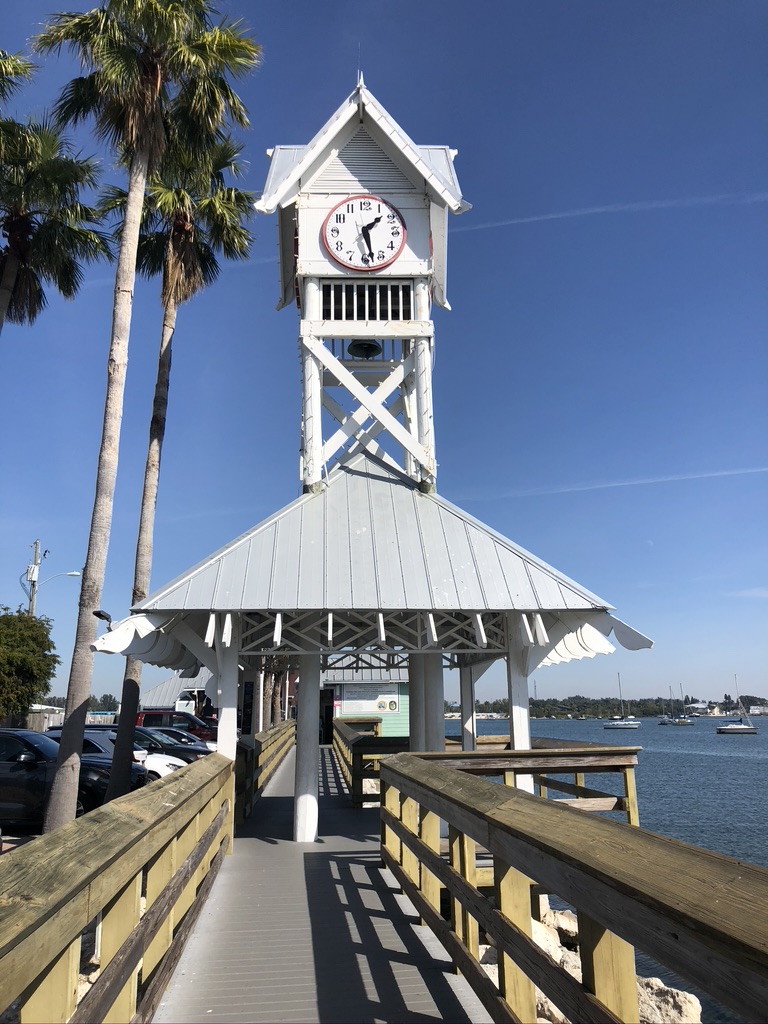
350, 266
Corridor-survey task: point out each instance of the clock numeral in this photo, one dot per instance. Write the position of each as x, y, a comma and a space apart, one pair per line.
350, 207
395, 232
365, 204
340, 218
391, 218
365, 261
350, 254
391, 246
380, 255
334, 232
339, 246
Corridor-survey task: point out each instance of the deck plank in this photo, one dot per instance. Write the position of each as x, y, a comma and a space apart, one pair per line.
312, 932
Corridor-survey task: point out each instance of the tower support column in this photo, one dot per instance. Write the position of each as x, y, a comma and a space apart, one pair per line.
422, 355
305, 804
312, 405
519, 724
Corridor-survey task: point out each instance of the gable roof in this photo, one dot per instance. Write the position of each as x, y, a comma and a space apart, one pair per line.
290, 165
371, 540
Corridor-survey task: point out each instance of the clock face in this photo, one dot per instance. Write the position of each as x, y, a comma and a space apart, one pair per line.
364, 233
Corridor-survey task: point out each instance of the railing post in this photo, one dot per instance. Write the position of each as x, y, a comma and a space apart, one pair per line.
54, 997
408, 859
391, 801
159, 874
118, 920
630, 794
608, 968
513, 900
430, 836
463, 859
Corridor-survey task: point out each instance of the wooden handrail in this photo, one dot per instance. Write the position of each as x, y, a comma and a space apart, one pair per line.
700, 914
257, 760
92, 872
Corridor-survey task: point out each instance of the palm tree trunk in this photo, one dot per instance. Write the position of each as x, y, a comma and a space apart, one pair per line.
10, 270
63, 800
277, 694
120, 779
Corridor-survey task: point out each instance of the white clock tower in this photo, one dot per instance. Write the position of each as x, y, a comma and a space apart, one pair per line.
362, 219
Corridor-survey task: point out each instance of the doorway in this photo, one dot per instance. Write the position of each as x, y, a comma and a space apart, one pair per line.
326, 714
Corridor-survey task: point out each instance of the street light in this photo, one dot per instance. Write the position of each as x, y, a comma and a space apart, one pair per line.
30, 577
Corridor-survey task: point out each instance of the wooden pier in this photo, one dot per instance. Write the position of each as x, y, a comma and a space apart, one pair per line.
312, 931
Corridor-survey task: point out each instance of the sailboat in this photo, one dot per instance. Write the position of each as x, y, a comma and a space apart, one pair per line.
682, 718
625, 721
738, 728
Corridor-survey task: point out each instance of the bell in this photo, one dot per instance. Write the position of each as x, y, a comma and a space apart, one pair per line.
364, 349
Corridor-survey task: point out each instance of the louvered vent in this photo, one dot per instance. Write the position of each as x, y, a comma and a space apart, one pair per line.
365, 301
362, 166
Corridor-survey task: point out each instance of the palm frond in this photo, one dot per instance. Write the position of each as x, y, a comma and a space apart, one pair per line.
27, 298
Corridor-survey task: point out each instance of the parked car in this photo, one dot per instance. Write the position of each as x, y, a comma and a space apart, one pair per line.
188, 749
157, 763
181, 740
180, 744
96, 740
159, 718
27, 767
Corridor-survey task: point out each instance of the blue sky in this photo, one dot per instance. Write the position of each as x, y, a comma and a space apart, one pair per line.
600, 383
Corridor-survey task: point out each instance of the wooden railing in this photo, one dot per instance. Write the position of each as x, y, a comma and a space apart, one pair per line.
84, 885
700, 914
358, 755
257, 761
550, 758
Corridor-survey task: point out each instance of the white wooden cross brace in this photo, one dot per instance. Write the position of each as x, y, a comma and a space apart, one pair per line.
366, 399
351, 424
366, 439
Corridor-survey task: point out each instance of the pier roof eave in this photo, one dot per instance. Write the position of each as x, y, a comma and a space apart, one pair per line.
372, 542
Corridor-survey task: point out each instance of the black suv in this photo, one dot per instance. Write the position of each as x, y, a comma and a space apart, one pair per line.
27, 767
155, 741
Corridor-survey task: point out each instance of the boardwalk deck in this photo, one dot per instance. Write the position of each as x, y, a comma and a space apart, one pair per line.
312, 932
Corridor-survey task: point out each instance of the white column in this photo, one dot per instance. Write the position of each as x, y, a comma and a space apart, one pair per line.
410, 419
227, 658
305, 812
261, 700
467, 695
416, 701
423, 372
519, 720
312, 449
434, 702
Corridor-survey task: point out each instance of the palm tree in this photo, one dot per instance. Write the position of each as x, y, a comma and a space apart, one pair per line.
42, 220
14, 71
141, 58
190, 216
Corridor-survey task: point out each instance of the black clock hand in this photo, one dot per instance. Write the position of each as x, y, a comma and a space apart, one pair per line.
367, 239
372, 224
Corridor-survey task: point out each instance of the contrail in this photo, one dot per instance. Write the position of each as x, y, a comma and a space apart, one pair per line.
606, 485
727, 199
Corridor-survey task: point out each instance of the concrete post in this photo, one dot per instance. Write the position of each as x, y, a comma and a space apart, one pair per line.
416, 701
227, 658
305, 808
467, 695
519, 721
434, 702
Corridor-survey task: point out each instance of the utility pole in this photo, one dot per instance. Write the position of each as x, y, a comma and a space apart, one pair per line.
33, 572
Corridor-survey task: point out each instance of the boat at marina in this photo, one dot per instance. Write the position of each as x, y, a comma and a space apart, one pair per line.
737, 727
624, 721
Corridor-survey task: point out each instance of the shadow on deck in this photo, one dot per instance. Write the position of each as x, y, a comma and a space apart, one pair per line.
312, 932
